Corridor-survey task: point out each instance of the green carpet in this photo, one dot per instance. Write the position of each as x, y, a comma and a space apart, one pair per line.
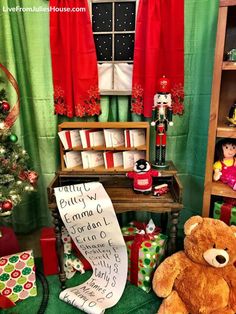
133, 301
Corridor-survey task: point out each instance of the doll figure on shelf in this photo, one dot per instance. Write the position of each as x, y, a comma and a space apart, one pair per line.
232, 115
161, 118
142, 176
225, 164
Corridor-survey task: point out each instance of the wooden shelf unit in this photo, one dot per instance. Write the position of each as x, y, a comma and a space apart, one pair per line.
221, 189
223, 130
229, 65
222, 98
104, 125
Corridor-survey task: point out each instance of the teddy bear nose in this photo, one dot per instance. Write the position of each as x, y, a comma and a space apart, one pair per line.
220, 259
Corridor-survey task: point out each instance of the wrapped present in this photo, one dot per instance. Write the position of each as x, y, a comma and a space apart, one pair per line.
48, 251
225, 212
146, 249
17, 276
8, 242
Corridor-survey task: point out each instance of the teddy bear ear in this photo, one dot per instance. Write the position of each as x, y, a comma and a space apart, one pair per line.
192, 223
234, 229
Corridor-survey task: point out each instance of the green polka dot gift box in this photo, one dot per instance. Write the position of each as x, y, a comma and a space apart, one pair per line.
145, 251
17, 276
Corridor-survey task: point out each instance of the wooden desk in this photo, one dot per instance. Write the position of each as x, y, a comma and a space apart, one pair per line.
124, 199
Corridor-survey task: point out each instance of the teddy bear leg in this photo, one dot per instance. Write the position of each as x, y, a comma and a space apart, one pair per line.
172, 305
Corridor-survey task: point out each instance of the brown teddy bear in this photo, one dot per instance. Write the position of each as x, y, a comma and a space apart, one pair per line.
202, 278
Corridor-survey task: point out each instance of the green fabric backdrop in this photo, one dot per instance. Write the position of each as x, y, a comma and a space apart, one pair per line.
25, 51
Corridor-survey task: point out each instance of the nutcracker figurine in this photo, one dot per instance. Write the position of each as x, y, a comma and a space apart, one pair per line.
161, 118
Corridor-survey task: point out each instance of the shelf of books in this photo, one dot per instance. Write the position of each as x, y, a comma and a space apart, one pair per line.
103, 146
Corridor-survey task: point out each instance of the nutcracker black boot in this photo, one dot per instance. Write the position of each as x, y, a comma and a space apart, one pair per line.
158, 153
163, 155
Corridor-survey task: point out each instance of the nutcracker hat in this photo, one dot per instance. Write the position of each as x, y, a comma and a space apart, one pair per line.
163, 85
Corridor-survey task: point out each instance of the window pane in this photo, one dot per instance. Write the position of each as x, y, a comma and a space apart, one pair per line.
103, 45
124, 46
125, 16
123, 76
102, 17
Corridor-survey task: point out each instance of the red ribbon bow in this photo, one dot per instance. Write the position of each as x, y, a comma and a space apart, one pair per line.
30, 176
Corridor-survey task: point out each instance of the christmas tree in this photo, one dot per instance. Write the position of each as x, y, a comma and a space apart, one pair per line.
15, 178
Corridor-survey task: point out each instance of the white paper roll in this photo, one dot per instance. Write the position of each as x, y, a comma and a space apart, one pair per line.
89, 217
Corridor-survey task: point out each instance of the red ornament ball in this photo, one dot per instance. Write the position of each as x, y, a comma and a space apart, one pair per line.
5, 106
7, 205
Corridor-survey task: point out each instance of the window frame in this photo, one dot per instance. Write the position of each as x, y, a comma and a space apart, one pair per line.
113, 33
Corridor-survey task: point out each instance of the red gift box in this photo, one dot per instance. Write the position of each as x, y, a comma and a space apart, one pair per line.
48, 251
8, 242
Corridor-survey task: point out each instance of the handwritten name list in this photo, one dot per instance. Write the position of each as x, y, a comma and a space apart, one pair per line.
88, 215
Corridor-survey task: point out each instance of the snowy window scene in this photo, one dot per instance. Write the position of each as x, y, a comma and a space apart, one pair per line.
113, 24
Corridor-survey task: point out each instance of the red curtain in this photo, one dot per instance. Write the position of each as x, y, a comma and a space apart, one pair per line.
74, 61
159, 50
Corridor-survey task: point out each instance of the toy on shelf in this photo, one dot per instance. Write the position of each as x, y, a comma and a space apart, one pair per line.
162, 117
142, 176
160, 189
202, 278
231, 55
232, 115
225, 164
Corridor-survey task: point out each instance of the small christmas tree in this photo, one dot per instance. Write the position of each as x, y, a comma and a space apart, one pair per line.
15, 178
